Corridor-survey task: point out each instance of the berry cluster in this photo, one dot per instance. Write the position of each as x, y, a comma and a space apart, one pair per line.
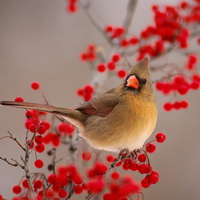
179, 85
114, 32
140, 162
86, 92
90, 54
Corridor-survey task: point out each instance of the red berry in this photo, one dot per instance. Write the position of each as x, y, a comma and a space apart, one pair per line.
85, 186
35, 85
168, 106
109, 28
101, 67
110, 158
153, 178
38, 163
38, 139
184, 4
40, 148
192, 59
96, 186
19, 99
77, 178
145, 183
118, 32
62, 193
52, 178
142, 157
86, 156
91, 47
183, 89
16, 189
150, 148
71, 8
78, 189
194, 85
111, 66
126, 166
121, 73
124, 43
133, 40
160, 137
41, 129
133, 166
144, 168
25, 183
62, 179
80, 92
184, 104
115, 175
32, 128
115, 58
89, 89
56, 187
100, 168
159, 86
177, 105
46, 124
37, 184
84, 57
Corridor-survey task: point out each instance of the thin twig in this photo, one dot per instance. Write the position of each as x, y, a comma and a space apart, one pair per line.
15, 139
94, 22
5, 159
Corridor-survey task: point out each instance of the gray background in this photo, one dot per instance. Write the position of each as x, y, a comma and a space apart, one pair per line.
39, 41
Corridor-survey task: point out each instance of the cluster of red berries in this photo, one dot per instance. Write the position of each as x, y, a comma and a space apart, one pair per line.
191, 62
90, 54
178, 85
170, 28
17, 189
111, 66
176, 105
114, 32
121, 187
86, 92
71, 6
141, 164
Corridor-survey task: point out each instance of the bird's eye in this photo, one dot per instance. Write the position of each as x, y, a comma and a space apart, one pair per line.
143, 81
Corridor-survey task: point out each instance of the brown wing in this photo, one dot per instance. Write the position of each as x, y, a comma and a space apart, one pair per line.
101, 105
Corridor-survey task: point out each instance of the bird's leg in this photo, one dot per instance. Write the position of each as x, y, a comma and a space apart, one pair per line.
134, 153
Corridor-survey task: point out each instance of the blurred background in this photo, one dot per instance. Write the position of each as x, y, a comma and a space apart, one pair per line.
39, 41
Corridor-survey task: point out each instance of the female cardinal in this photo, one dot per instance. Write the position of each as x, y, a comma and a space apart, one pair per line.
121, 118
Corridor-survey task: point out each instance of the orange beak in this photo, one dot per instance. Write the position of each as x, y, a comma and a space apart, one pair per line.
133, 82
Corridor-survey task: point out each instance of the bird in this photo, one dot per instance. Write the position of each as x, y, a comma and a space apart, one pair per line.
121, 118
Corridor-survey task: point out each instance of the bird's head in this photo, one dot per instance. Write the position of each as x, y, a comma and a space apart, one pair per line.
138, 80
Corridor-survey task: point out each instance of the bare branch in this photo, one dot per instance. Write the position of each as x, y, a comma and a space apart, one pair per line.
94, 22
5, 159
15, 139
130, 12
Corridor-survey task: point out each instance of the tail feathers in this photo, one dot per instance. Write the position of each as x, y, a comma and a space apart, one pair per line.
69, 114
31, 106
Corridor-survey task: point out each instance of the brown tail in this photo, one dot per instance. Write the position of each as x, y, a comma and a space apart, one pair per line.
65, 112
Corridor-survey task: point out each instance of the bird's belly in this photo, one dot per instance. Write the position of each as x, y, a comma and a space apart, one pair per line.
114, 138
